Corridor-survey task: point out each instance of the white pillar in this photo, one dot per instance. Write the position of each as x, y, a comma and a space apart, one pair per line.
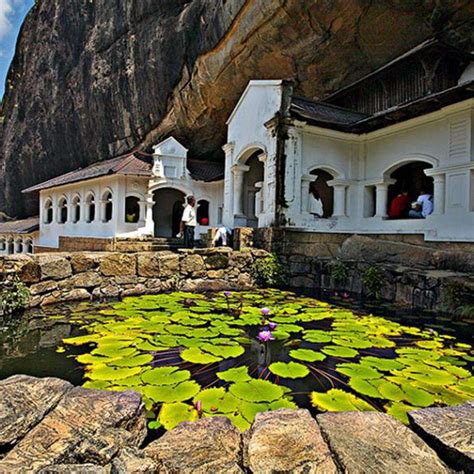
238, 194
439, 193
142, 220
149, 222
339, 200
381, 198
102, 210
306, 180
228, 211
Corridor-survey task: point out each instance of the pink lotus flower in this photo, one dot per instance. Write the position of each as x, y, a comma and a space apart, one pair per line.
272, 326
264, 336
198, 406
265, 311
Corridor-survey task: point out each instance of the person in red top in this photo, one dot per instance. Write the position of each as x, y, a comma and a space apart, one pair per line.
399, 206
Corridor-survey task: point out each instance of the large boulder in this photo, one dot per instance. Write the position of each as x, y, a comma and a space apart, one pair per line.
156, 265
374, 442
87, 426
24, 401
450, 430
132, 460
209, 445
287, 441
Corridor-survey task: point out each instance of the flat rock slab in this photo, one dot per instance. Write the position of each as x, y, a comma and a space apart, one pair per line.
209, 445
286, 441
373, 442
24, 401
87, 426
450, 430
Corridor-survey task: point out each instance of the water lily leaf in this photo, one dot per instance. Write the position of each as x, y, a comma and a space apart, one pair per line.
103, 372
237, 374
250, 410
399, 411
224, 351
339, 400
390, 391
172, 414
431, 376
96, 384
80, 340
148, 346
417, 396
133, 361
307, 355
256, 391
359, 370
364, 387
381, 363
217, 400
172, 393
196, 356
339, 351
316, 336
238, 421
419, 354
283, 403
457, 371
114, 351
429, 344
381, 342
290, 370
165, 376
354, 343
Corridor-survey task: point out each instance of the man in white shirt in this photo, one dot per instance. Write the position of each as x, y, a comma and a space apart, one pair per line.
189, 222
424, 206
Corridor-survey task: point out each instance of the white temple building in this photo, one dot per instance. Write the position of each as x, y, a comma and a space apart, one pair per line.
408, 126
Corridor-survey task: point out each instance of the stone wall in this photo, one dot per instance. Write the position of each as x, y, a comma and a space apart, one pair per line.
412, 273
60, 277
49, 426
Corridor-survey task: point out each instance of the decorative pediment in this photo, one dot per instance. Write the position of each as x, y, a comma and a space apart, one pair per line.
169, 159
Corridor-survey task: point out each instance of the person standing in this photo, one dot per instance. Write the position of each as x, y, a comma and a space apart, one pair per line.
189, 222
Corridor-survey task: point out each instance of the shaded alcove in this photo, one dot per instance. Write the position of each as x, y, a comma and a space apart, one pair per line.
326, 192
167, 211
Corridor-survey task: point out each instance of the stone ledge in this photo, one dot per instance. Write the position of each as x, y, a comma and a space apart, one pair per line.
79, 430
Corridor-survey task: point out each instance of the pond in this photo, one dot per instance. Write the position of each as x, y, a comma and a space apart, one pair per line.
237, 354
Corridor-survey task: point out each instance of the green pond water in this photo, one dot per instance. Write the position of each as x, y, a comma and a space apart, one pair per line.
193, 355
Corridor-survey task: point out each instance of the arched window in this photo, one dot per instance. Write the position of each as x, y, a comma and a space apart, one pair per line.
132, 209
3, 245
48, 212
202, 213
90, 208
76, 209
107, 207
28, 246
321, 195
62, 211
18, 246
10, 247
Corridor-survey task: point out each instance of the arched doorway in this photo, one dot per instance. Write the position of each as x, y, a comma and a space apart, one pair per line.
411, 180
167, 211
320, 188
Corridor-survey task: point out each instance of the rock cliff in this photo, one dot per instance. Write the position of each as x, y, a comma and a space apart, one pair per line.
93, 79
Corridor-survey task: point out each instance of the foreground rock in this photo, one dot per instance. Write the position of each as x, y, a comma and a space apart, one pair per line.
373, 442
287, 441
24, 401
204, 446
87, 426
450, 431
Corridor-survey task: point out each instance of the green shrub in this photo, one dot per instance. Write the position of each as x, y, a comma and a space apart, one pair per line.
373, 279
339, 272
269, 272
14, 297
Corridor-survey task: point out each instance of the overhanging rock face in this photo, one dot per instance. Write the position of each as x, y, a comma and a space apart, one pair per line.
131, 72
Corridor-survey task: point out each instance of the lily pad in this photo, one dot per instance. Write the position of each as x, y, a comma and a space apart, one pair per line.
196, 356
339, 351
339, 400
290, 370
172, 393
236, 374
307, 355
256, 391
165, 376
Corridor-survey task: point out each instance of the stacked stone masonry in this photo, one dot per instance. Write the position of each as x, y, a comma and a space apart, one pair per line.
60, 277
49, 426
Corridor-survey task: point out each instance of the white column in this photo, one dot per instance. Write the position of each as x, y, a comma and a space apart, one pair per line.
238, 194
264, 185
439, 193
142, 220
306, 180
339, 200
228, 211
102, 210
149, 222
381, 198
